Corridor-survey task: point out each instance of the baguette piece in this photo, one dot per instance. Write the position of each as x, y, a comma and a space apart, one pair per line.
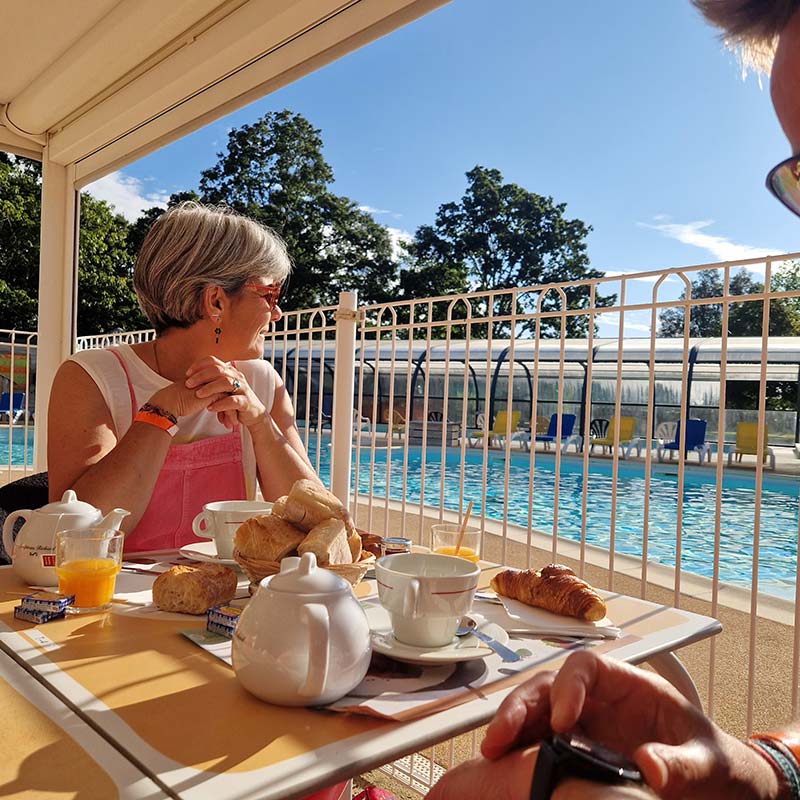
308, 504
267, 538
554, 588
328, 542
193, 590
354, 540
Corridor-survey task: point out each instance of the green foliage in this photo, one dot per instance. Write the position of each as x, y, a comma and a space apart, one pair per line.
20, 203
744, 316
501, 236
106, 300
274, 171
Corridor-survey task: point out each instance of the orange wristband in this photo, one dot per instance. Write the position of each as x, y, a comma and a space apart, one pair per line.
783, 738
157, 421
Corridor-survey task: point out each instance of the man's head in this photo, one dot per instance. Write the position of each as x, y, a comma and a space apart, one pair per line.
785, 81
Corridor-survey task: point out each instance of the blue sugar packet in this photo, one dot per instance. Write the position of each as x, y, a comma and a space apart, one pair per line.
47, 601
37, 615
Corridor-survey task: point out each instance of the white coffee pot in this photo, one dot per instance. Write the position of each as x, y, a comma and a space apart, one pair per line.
303, 638
33, 553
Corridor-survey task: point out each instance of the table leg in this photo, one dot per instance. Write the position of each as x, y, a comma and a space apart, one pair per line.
669, 666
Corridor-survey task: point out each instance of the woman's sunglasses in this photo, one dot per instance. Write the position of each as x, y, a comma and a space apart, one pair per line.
271, 294
783, 181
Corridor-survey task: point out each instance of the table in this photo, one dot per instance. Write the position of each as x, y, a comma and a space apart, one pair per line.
49, 751
183, 718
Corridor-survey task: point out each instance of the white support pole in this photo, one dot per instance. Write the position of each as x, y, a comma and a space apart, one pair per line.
57, 287
343, 385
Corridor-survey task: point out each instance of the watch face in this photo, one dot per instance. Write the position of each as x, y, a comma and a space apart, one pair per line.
613, 764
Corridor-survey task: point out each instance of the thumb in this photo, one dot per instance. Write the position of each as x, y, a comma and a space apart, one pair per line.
675, 772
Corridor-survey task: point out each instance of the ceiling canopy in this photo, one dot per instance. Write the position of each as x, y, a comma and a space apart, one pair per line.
103, 82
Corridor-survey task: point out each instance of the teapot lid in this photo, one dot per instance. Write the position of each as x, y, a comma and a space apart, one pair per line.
68, 504
303, 576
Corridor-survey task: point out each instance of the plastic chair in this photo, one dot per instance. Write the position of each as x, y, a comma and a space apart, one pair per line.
747, 443
627, 438
598, 429
498, 429
398, 424
567, 436
695, 441
12, 406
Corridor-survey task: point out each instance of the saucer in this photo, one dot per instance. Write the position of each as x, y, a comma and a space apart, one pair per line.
206, 551
462, 648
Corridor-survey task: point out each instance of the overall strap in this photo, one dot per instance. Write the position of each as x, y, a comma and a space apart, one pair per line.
128, 379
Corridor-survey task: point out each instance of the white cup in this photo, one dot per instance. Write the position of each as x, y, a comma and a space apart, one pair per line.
425, 594
219, 521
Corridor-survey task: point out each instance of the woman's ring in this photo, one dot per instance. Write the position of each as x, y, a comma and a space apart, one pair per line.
236, 386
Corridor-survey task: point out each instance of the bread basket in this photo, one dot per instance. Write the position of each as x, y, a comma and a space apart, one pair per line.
257, 570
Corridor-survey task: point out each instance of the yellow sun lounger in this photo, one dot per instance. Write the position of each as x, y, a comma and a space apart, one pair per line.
747, 443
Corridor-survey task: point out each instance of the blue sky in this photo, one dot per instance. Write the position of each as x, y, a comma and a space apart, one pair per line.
632, 113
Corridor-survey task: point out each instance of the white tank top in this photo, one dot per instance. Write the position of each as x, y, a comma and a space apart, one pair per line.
105, 371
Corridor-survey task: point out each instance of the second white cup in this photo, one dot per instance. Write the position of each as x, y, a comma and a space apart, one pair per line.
425, 594
219, 521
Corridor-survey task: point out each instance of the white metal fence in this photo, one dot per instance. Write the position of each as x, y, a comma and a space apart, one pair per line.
400, 406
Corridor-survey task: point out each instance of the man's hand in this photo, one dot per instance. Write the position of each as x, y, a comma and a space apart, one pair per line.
680, 752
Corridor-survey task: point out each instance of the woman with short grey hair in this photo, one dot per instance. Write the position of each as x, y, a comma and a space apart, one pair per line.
196, 415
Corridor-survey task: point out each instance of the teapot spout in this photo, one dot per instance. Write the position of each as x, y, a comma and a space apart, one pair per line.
113, 519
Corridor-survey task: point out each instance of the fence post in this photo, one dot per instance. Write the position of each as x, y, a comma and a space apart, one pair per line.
343, 385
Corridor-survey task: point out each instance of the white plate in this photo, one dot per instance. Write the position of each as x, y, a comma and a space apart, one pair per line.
206, 551
462, 648
541, 621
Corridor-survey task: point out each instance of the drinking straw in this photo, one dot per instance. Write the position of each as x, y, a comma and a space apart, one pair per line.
463, 527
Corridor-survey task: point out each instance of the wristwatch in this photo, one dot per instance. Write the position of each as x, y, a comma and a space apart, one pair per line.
575, 756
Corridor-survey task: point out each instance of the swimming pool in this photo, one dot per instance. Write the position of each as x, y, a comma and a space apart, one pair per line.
779, 507
21, 446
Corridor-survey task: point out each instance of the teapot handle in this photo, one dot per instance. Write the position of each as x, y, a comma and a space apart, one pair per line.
8, 528
316, 617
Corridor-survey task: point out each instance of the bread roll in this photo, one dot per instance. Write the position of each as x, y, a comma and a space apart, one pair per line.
267, 538
279, 506
194, 589
554, 588
328, 542
354, 540
308, 504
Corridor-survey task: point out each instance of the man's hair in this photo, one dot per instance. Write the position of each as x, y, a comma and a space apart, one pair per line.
193, 246
751, 26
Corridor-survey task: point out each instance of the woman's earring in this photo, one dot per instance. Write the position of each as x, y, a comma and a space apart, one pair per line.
217, 330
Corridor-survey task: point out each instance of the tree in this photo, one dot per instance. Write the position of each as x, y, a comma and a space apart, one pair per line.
745, 316
501, 236
274, 172
20, 210
106, 300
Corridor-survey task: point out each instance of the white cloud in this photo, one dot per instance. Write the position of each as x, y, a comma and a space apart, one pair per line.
720, 247
372, 210
635, 323
615, 273
126, 194
396, 235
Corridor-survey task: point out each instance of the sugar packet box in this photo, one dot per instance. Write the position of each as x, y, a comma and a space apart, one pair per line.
37, 615
222, 619
47, 601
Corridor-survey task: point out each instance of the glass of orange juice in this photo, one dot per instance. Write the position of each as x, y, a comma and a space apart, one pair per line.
87, 563
445, 541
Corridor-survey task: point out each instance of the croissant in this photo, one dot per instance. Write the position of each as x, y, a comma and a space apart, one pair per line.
554, 588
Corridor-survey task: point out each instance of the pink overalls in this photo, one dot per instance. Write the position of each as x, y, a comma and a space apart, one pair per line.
192, 475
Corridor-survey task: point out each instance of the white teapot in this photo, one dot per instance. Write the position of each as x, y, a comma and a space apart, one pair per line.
33, 553
303, 638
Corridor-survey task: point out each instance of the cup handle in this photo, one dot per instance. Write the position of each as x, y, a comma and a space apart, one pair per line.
411, 599
318, 621
200, 526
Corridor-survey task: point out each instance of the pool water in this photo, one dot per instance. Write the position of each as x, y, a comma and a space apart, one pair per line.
20, 452
779, 507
